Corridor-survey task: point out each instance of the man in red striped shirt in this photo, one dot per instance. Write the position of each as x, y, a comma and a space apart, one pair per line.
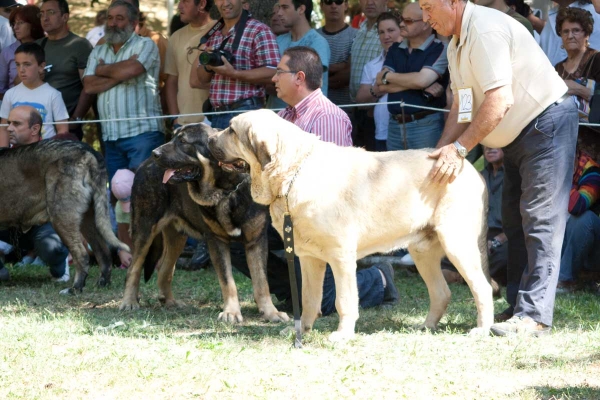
298, 82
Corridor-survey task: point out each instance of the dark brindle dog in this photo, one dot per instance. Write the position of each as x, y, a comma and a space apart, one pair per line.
183, 191
62, 182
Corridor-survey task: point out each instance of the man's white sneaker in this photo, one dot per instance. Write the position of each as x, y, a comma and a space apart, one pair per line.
406, 260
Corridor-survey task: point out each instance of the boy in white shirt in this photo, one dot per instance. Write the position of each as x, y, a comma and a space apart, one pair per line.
34, 92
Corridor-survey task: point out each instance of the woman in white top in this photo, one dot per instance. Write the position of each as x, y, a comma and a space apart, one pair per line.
388, 26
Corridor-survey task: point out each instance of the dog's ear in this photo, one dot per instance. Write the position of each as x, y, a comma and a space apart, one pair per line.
256, 131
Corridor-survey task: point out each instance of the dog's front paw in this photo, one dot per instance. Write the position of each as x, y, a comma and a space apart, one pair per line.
172, 303
129, 305
276, 316
341, 336
479, 331
67, 291
425, 328
231, 317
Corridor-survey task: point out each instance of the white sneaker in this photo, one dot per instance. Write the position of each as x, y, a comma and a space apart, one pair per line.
67, 276
406, 260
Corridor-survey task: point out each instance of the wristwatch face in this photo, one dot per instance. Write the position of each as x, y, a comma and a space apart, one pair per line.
462, 151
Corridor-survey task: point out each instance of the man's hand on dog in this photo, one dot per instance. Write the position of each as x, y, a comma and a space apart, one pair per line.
447, 166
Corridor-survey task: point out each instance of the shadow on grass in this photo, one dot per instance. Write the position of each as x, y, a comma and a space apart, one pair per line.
98, 308
569, 392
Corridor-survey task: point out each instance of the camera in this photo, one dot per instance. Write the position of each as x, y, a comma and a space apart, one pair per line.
214, 59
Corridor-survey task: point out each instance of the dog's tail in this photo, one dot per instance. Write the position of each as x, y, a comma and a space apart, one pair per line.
100, 203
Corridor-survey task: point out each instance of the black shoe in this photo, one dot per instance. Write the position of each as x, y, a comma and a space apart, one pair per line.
390, 293
4, 274
504, 315
201, 258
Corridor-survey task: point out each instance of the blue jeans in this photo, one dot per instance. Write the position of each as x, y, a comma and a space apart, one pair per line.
421, 134
46, 243
538, 170
581, 246
221, 121
129, 153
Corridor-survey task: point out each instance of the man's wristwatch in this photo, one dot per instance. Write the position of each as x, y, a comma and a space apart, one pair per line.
383, 79
460, 149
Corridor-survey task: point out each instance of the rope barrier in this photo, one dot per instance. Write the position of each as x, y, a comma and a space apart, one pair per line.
173, 116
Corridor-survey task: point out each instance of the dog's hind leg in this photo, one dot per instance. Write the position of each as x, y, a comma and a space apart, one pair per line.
346, 301
173, 244
313, 274
469, 256
221, 260
427, 255
142, 233
256, 255
99, 246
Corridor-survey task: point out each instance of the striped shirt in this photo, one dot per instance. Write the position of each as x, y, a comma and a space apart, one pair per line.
317, 114
366, 47
136, 97
258, 48
340, 43
585, 191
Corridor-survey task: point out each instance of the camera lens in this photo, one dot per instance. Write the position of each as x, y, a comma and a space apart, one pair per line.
205, 58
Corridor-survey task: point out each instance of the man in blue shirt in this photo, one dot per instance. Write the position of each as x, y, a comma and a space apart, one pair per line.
409, 68
295, 16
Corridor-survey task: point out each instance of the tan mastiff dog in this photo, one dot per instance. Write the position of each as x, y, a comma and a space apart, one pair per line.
347, 203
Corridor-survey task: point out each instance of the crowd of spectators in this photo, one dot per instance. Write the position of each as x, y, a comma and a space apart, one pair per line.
130, 76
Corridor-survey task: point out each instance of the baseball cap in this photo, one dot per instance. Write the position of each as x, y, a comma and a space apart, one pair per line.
120, 185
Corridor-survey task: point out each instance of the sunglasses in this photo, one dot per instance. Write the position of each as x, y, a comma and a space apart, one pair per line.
409, 21
330, 2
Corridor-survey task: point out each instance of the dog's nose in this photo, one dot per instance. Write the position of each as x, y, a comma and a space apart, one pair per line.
156, 153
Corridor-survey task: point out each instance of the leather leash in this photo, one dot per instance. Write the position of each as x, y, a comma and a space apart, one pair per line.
288, 244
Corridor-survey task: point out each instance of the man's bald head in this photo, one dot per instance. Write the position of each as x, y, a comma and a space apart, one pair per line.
24, 126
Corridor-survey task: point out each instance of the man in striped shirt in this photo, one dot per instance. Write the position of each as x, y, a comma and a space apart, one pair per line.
298, 82
124, 73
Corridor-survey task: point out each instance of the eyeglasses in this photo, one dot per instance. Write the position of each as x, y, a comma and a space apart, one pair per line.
49, 13
409, 21
281, 71
330, 2
574, 31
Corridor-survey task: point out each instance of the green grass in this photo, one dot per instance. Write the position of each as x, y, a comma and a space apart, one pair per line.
72, 347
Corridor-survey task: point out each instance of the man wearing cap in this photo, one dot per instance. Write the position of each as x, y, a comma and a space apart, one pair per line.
507, 95
24, 127
121, 185
6, 34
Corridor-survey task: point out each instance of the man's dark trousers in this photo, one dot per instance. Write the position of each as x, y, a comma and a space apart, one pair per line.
538, 170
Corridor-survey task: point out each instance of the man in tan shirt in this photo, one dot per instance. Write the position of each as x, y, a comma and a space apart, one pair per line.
507, 95
182, 53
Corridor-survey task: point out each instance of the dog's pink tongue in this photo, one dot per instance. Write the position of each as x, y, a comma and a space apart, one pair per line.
168, 174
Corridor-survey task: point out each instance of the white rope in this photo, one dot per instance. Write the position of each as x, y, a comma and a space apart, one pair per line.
173, 116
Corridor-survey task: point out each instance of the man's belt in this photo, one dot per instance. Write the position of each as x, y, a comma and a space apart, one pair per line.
251, 101
413, 117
